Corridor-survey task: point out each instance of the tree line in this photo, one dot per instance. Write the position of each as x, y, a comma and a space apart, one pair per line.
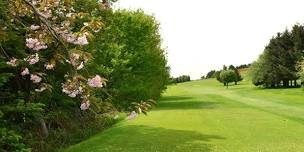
214, 73
180, 79
278, 65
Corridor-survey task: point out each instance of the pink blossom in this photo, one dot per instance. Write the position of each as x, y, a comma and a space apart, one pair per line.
96, 31
86, 24
25, 72
30, 42
65, 89
80, 66
35, 2
72, 91
95, 82
39, 47
35, 27
86, 59
82, 40
41, 89
74, 57
54, 18
80, 89
35, 78
49, 66
33, 59
66, 23
35, 44
73, 94
132, 115
47, 13
68, 61
85, 105
69, 37
56, 3
69, 15
12, 62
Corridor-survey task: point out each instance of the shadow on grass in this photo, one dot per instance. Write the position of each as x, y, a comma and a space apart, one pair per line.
177, 102
141, 138
175, 98
186, 105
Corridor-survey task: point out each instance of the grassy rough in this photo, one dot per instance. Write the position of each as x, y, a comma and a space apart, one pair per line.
205, 116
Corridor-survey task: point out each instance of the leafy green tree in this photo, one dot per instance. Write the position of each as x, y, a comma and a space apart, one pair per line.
238, 77
225, 67
218, 78
44, 51
48, 54
210, 74
227, 76
237, 73
243, 66
182, 78
128, 52
276, 67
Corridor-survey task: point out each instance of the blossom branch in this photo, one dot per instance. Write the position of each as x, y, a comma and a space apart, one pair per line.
49, 27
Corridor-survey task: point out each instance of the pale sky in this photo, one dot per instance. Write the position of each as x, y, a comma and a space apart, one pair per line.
201, 35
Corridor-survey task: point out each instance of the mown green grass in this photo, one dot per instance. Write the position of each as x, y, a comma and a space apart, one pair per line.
205, 116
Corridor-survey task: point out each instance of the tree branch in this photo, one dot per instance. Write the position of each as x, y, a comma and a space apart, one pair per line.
47, 24
4, 52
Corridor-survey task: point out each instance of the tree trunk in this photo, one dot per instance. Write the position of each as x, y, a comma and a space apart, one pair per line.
285, 83
44, 129
272, 85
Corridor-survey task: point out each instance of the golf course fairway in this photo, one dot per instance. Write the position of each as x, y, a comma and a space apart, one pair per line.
205, 116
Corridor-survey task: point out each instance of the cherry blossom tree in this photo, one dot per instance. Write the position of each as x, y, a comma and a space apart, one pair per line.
52, 42
51, 26
45, 53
